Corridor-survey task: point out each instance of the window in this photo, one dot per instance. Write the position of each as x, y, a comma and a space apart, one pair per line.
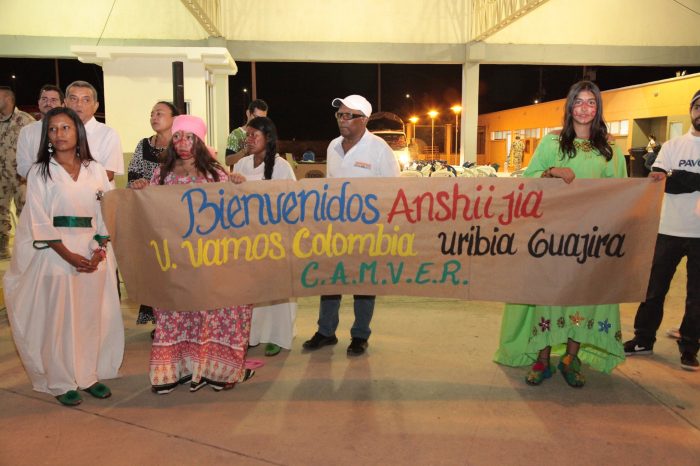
618, 127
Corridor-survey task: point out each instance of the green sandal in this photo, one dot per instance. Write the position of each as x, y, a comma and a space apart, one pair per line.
70, 398
539, 372
272, 350
570, 367
99, 390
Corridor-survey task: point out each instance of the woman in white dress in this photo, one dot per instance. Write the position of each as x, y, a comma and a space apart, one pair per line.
273, 323
61, 289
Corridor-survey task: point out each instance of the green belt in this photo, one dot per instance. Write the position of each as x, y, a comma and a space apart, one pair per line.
76, 222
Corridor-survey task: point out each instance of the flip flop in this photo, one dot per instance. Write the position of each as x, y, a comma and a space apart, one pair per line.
99, 390
70, 398
253, 363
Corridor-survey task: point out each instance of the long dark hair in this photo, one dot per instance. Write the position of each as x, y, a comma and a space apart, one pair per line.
203, 160
82, 150
267, 127
599, 131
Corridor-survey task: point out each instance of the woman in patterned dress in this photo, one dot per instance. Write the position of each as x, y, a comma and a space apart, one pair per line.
200, 347
145, 160
592, 334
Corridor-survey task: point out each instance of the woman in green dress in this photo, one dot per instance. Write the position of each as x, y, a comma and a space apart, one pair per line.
530, 333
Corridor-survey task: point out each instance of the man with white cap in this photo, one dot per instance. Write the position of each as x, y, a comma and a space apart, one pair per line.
679, 236
356, 153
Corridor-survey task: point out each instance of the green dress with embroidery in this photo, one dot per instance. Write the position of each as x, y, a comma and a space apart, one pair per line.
527, 328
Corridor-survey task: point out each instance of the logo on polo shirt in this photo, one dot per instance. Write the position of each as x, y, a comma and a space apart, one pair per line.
689, 163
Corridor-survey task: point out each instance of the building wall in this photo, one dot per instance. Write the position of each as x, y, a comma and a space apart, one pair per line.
647, 108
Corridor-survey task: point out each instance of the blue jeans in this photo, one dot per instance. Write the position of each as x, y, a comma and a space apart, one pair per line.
328, 315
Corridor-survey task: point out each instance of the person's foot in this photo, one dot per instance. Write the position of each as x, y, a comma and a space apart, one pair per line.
164, 389
194, 386
318, 341
70, 398
538, 372
689, 361
674, 332
99, 390
247, 374
357, 346
634, 348
570, 368
272, 350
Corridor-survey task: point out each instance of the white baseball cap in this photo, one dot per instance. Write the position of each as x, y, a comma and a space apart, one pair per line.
354, 102
692, 101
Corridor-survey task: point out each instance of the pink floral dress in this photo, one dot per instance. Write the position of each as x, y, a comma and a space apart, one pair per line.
208, 346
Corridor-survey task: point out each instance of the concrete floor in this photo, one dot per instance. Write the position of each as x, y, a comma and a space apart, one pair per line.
426, 393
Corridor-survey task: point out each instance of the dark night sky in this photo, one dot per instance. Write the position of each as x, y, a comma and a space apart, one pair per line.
299, 94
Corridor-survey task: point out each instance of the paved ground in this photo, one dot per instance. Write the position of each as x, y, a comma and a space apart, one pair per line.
426, 393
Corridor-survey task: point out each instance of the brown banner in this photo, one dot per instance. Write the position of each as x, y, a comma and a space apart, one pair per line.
538, 241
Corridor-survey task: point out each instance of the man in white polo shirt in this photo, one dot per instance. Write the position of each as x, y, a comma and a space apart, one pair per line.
50, 96
356, 153
678, 163
105, 146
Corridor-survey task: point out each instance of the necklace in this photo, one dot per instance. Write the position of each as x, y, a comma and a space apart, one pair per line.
155, 145
189, 172
583, 145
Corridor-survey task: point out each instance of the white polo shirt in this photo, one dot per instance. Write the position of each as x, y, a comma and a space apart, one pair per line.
27, 147
105, 146
680, 214
370, 157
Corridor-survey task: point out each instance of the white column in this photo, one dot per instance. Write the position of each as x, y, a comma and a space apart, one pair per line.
135, 78
470, 112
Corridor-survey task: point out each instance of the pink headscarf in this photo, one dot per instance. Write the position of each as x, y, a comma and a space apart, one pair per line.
190, 124
194, 125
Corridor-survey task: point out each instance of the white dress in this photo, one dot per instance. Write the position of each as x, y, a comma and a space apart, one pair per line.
272, 322
67, 326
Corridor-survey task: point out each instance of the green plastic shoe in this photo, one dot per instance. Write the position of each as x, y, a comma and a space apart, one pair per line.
272, 350
70, 398
99, 390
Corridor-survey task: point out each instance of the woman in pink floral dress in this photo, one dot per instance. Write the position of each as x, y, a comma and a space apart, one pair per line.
199, 347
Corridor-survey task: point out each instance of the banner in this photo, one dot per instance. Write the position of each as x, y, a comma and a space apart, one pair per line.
192, 247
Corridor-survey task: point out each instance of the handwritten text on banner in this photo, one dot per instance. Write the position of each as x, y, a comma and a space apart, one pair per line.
192, 247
